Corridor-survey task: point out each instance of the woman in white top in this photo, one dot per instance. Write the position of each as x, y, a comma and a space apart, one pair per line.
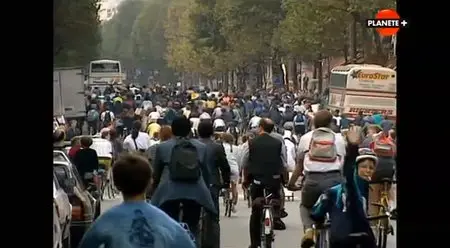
231, 152
137, 140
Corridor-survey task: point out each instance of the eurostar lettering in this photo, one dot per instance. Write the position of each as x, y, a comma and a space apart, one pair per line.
371, 111
372, 76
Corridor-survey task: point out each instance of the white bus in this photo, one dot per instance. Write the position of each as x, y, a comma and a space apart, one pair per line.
367, 88
105, 72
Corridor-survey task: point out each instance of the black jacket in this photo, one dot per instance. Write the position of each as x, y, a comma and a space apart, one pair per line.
86, 160
264, 159
216, 156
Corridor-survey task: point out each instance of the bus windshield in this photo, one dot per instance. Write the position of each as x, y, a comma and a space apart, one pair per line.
105, 67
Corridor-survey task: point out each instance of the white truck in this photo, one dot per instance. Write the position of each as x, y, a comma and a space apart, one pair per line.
68, 92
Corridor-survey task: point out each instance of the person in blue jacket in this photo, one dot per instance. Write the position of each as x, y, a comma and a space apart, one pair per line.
134, 222
346, 203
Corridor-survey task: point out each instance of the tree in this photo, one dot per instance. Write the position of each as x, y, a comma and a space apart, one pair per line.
76, 32
116, 33
148, 42
195, 43
311, 28
322, 26
248, 26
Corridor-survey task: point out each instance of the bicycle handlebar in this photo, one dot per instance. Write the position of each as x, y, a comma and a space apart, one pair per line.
327, 224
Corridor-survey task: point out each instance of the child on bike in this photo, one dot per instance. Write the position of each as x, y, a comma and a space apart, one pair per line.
346, 203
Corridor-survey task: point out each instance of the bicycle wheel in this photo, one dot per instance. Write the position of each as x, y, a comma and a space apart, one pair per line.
323, 239
201, 237
229, 207
102, 189
226, 208
382, 236
266, 241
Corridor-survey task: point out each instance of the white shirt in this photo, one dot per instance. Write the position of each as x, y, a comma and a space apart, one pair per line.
142, 142
186, 112
217, 112
103, 147
147, 104
317, 166
103, 115
231, 152
154, 115
195, 122
159, 109
204, 116
218, 123
290, 151
254, 121
338, 120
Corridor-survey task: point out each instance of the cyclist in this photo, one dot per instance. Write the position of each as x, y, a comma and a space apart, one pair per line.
232, 151
135, 223
187, 176
320, 173
104, 149
263, 169
137, 140
220, 171
86, 160
346, 203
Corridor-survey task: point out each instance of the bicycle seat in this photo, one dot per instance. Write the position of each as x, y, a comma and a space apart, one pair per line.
386, 180
358, 234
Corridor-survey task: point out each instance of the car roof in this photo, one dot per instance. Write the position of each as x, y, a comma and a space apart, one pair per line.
65, 163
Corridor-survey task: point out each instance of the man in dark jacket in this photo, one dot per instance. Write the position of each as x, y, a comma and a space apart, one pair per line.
220, 177
263, 169
168, 192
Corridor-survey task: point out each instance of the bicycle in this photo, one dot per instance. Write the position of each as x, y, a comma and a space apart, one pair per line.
108, 186
383, 226
267, 233
321, 234
228, 202
199, 239
247, 197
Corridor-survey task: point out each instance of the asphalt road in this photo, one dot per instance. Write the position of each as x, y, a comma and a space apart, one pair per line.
234, 230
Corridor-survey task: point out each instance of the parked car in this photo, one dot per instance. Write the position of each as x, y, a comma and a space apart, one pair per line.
64, 211
84, 206
57, 233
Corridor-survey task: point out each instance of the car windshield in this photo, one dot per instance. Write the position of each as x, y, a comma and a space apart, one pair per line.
58, 157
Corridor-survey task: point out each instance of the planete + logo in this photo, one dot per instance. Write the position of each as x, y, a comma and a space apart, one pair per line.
387, 22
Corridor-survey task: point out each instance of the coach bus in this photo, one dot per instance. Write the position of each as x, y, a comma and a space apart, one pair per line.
365, 87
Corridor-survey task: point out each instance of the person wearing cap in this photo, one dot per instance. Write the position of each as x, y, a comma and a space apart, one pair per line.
346, 203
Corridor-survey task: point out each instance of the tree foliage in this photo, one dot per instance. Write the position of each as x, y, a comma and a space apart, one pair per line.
321, 26
76, 32
210, 36
117, 40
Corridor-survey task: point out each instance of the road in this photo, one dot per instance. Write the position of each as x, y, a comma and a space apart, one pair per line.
234, 230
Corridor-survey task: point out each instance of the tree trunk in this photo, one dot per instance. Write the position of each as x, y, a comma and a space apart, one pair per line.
353, 40
320, 72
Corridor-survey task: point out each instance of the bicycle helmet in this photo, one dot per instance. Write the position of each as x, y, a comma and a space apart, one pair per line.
365, 153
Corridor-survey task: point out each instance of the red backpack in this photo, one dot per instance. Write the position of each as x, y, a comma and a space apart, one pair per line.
383, 146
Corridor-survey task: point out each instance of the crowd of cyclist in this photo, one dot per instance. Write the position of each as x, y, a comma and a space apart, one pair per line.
181, 148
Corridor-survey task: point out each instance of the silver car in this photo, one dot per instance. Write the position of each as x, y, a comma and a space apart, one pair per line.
57, 234
63, 211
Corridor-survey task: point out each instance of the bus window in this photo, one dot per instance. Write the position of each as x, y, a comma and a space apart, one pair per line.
338, 80
105, 67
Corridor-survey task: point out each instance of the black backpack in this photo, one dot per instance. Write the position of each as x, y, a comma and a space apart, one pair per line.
107, 117
184, 165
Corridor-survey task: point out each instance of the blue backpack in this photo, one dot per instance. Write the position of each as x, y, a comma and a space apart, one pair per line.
299, 119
